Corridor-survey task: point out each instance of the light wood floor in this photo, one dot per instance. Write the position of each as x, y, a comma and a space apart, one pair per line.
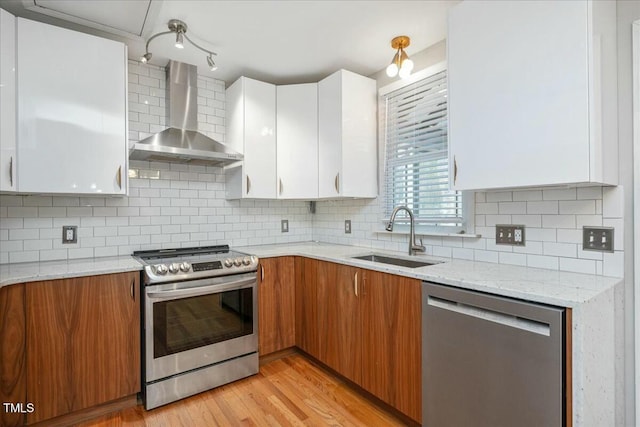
287, 392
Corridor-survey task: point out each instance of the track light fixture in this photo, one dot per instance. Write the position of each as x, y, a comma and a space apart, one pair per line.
179, 28
400, 64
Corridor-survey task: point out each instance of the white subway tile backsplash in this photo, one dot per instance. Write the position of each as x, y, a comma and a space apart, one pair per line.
512, 207
527, 196
538, 261
512, 258
578, 265
560, 249
584, 207
559, 194
542, 207
558, 221
613, 202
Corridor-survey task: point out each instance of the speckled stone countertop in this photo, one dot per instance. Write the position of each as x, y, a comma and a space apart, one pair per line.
49, 270
532, 284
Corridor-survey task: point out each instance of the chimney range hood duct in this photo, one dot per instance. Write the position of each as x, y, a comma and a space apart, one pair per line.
181, 142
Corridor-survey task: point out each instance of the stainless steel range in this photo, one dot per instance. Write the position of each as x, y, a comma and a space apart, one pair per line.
200, 320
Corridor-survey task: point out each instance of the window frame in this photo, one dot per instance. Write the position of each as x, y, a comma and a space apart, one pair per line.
468, 202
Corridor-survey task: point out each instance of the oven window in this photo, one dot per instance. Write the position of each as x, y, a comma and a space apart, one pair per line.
188, 323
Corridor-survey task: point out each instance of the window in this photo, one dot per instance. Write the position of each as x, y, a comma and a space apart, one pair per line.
416, 154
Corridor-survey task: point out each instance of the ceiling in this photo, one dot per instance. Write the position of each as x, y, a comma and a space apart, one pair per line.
275, 41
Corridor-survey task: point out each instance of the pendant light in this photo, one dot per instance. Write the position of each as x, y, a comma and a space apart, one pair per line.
400, 64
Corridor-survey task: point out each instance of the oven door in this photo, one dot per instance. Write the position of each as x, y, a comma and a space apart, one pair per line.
197, 323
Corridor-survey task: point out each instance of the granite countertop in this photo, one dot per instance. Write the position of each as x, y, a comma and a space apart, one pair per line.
532, 284
50, 270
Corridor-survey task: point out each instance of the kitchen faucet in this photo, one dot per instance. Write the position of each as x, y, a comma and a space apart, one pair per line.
413, 246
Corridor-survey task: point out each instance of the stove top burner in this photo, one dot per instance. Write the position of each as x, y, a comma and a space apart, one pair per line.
172, 265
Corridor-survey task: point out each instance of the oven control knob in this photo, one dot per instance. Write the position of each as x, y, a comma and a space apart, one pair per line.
228, 262
161, 269
185, 266
246, 260
174, 268
237, 262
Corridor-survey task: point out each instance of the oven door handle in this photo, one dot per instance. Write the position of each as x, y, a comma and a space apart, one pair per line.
202, 290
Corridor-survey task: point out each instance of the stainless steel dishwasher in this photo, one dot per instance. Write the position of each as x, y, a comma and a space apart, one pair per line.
490, 361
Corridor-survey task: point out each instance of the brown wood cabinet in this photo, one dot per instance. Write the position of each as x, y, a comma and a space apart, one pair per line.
307, 337
276, 304
367, 326
13, 378
339, 319
83, 343
391, 364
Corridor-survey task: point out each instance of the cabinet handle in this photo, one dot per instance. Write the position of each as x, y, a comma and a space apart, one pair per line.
133, 289
248, 184
280, 186
355, 283
119, 177
336, 182
455, 170
11, 171
261, 273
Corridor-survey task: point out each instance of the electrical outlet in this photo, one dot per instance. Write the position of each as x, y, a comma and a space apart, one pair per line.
284, 226
597, 239
347, 226
510, 235
69, 234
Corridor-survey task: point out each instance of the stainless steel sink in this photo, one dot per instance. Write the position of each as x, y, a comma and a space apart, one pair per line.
402, 262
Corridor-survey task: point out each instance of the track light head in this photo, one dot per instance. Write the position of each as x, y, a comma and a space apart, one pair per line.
212, 65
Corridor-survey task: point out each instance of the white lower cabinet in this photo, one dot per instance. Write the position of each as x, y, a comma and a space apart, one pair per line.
297, 141
8, 180
72, 112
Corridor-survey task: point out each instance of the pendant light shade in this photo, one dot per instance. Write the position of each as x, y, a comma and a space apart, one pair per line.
400, 64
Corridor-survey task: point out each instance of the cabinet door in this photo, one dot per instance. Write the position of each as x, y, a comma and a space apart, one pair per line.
250, 124
347, 149
339, 319
13, 387
307, 305
83, 343
518, 95
297, 141
259, 168
7, 101
71, 111
391, 364
276, 304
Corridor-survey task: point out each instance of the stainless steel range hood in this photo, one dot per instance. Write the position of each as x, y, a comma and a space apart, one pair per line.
181, 142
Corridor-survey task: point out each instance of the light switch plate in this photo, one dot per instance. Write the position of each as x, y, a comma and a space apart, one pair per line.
597, 239
509, 234
284, 226
69, 234
347, 226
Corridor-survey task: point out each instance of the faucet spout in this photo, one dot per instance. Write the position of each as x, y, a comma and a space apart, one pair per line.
413, 246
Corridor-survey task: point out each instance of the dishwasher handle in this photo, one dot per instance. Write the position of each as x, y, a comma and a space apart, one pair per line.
508, 320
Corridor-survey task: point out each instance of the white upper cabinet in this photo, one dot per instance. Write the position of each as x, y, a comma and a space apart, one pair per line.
7, 101
251, 130
347, 156
72, 111
532, 93
297, 141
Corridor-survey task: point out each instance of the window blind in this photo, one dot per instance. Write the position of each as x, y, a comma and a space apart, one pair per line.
416, 157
